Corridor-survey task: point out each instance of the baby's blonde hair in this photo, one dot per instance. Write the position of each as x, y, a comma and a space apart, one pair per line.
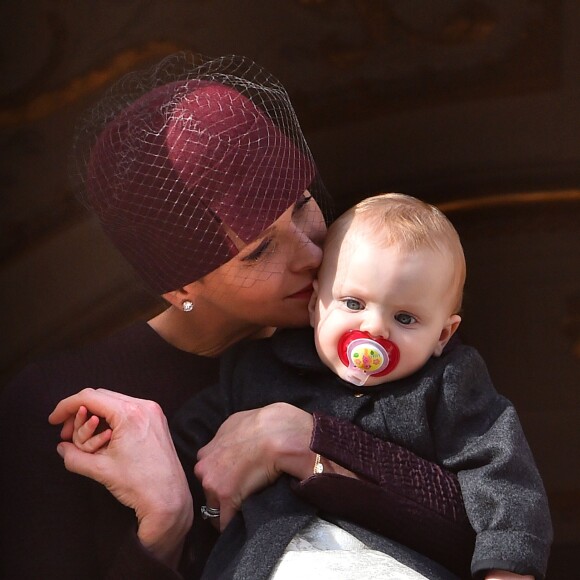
396, 219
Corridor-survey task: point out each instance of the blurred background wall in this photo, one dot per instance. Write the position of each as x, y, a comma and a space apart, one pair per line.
472, 105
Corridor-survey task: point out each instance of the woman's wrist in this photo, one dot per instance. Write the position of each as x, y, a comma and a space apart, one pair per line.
291, 448
162, 531
325, 465
288, 443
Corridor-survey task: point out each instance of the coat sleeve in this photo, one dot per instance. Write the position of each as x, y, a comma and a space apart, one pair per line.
479, 436
199, 419
401, 496
134, 561
192, 427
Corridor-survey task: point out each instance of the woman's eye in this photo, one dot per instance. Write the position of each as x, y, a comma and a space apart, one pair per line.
405, 319
258, 252
353, 304
301, 203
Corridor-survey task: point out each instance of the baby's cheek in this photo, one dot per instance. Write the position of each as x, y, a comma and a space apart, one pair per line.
325, 344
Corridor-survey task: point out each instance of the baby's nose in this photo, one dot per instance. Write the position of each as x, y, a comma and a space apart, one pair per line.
375, 326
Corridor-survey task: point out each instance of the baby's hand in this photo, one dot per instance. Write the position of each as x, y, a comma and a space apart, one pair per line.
85, 435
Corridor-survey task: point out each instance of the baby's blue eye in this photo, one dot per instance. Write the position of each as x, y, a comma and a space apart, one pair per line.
353, 304
405, 319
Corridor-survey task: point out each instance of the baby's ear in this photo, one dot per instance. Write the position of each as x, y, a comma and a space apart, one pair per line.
448, 331
312, 303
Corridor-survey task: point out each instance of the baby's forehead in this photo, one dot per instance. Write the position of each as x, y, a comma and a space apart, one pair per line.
348, 245
437, 246
361, 259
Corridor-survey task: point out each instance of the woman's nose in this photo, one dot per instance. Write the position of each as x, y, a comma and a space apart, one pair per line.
307, 256
307, 253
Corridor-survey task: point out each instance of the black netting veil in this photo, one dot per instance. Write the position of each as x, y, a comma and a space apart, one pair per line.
188, 161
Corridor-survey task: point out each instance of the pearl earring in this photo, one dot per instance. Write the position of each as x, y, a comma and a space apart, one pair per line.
187, 305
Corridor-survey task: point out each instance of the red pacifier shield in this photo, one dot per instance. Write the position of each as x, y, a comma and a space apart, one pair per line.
373, 355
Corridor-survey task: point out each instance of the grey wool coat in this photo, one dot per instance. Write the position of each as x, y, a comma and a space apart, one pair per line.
448, 412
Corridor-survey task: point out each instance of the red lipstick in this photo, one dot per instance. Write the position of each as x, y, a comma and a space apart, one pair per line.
303, 294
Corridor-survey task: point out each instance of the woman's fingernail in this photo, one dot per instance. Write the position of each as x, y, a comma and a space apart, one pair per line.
60, 450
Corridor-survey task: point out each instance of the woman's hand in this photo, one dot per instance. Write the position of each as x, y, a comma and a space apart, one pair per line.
250, 451
139, 466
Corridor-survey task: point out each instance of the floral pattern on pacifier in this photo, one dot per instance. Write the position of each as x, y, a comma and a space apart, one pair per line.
366, 355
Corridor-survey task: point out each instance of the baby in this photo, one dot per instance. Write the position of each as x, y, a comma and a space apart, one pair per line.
384, 307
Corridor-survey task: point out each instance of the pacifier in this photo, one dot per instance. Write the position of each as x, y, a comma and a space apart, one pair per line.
366, 356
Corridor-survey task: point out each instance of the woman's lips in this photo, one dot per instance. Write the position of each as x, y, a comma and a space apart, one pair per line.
303, 294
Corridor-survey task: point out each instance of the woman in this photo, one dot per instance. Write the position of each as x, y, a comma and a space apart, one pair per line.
204, 182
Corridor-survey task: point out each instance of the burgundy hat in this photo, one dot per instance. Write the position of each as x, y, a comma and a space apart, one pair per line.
185, 158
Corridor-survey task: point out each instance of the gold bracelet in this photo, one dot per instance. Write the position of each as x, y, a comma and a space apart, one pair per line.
318, 467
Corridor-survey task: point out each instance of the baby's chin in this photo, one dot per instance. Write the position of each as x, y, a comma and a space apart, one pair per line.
360, 379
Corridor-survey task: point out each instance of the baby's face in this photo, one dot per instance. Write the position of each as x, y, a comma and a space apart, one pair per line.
401, 298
